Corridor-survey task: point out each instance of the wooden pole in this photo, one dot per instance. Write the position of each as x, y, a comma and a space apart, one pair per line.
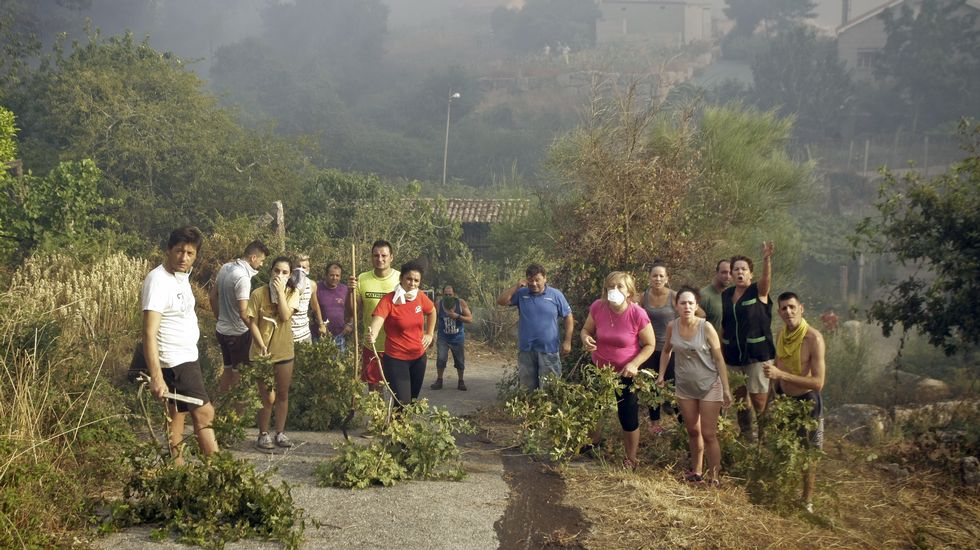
867, 149
925, 161
357, 325
850, 155
280, 221
860, 282
843, 284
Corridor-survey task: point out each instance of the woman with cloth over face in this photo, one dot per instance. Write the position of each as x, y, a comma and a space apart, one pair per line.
700, 382
409, 320
619, 335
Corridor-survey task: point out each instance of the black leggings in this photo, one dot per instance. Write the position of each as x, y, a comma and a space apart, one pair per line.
627, 407
404, 377
653, 363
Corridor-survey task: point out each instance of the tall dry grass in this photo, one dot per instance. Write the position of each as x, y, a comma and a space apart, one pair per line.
96, 306
60, 417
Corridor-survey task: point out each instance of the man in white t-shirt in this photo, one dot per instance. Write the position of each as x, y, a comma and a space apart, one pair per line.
170, 335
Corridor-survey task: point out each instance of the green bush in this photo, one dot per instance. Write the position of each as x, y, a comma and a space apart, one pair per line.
414, 443
773, 468
209, 504
323, 388
557, 419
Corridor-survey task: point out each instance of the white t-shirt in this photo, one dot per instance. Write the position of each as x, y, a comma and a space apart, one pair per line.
177, 338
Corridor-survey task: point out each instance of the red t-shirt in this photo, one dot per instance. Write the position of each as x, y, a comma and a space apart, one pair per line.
403, 325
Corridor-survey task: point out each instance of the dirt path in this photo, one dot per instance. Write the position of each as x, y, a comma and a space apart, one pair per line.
505, 501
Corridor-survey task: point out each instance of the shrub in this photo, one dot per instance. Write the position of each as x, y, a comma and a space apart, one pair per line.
414, 443
209, 504
557, 419
323, 388
60, 419
773, 468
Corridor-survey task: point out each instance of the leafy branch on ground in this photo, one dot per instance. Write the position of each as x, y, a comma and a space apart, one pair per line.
209, 504
417, 442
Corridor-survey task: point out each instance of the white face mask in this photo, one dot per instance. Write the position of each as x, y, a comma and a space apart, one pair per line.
615, 297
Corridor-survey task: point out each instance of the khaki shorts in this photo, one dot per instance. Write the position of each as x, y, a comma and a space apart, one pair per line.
756, 381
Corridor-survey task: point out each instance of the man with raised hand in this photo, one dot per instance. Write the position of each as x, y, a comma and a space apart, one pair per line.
799, 372
539, 307
369, 287
746, 338
170, 335
229, 302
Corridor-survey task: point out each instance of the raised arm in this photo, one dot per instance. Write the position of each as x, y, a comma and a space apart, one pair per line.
765, 283
508, 293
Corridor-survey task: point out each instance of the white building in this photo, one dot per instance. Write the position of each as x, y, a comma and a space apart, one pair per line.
863, 36
666, 22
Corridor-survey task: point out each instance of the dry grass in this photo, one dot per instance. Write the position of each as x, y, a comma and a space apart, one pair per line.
857, 507
97, 306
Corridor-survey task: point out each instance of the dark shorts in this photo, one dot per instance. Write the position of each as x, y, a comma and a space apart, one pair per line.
234, 349
186, 379
815, 438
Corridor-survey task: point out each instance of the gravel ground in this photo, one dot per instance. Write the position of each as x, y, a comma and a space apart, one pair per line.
415, 515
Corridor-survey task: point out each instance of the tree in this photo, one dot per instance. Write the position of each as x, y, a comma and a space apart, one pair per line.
932, 229
800, 74
933, 57
747, 14
61, 211
546, 22
638, 183
166, 149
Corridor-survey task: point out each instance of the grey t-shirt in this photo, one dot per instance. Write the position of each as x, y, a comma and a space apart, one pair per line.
234, 283
660, 317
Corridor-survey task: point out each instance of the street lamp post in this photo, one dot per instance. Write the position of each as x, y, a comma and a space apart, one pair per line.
445, 151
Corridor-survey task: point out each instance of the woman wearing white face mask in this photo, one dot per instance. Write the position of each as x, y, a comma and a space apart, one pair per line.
619, 335
409, 320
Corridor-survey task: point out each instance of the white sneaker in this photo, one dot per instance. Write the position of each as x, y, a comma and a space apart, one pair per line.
808, 507
283, 441
265, 442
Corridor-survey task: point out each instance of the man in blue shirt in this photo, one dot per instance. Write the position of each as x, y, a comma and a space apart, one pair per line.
539, 307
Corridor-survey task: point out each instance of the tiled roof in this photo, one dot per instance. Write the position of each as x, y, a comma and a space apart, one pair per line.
486, 210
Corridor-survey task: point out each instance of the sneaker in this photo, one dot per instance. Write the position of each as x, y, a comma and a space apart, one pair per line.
808, 507
283, 441
265, 442
437, 385
461, 386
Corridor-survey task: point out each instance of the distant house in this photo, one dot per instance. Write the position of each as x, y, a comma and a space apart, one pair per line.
861, 38
478, 215
664, 22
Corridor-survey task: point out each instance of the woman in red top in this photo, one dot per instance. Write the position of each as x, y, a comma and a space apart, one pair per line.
409, 320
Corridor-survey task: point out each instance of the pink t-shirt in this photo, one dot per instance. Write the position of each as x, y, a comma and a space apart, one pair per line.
617, 334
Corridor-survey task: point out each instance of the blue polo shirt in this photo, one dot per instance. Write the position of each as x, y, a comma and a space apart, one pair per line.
538, 327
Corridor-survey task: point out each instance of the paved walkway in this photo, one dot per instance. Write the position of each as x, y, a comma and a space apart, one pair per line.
414, 515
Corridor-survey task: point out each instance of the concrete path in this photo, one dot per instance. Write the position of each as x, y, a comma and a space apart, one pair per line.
414, 515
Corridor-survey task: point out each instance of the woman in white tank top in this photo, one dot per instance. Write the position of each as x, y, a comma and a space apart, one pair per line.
701, 382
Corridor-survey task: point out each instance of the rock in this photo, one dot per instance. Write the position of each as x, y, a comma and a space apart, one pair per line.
894, 469
863, 424
935, 415
913, 388
970, 470
929, 390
